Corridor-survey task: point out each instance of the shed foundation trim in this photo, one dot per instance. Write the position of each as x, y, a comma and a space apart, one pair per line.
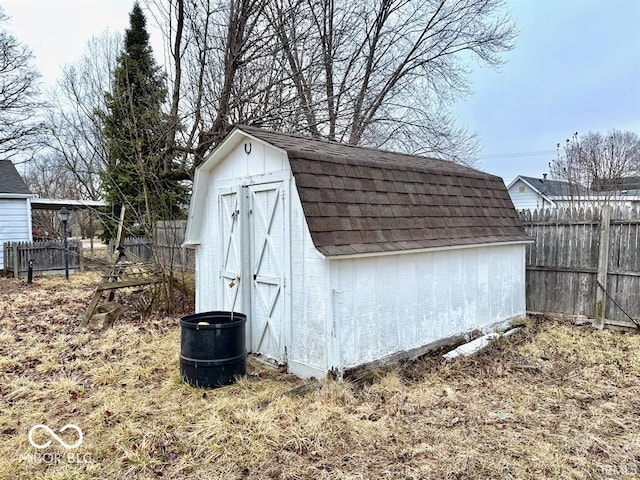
492, 330
305, 371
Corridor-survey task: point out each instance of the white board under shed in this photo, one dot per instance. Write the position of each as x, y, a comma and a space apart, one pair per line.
342, 255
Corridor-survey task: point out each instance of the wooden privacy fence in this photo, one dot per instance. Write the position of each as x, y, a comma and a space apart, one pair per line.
47, 256
167, 246
584, 263
168, 242
141, 247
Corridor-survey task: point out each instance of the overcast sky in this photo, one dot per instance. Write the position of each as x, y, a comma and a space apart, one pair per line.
575, 67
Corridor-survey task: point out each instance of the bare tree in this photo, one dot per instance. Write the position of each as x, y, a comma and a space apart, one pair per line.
75, 129
218, 66
47, 178
385, 72
72, 155
381, 73
19, 96
231, 67
170, 14
598, 166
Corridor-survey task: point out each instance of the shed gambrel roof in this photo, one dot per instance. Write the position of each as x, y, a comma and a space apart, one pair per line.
360, 200
10, 180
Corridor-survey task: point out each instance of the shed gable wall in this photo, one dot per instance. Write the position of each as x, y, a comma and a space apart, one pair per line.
388, 304
235, 169
305, 282
262, 159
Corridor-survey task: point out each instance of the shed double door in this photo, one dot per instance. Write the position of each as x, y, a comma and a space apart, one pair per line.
253, 263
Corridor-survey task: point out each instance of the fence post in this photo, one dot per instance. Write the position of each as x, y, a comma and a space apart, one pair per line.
603, 264
16, 261
81, 255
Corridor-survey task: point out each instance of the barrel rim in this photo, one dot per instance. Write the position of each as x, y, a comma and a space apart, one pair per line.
235, 319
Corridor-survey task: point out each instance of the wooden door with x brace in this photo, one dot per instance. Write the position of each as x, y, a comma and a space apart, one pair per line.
252, 226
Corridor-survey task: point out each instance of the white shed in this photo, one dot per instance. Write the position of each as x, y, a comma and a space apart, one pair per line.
342, 255
15, 207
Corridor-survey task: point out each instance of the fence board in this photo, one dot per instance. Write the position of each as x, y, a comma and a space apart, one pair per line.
562, 263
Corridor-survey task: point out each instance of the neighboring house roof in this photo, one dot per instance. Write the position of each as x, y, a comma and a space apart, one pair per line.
556, 190
620, 184
10, 180
553, 188
360, 200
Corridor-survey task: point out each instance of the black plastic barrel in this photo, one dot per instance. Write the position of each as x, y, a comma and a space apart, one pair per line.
212, 348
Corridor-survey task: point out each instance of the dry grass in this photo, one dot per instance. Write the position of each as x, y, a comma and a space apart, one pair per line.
556, 401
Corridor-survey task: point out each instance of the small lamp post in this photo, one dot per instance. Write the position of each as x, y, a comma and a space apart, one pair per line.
64, 217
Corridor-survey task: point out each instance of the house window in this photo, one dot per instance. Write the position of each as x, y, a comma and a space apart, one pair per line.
521, 189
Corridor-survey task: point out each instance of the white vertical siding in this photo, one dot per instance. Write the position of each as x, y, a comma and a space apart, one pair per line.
207, 260
393, 303
309, 301
262, 160
15, 222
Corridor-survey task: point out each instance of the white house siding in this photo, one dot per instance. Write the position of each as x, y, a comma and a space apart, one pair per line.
584, 203
386, 304
15, 222
527, 200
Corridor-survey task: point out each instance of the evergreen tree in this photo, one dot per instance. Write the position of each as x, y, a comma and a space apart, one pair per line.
135, 129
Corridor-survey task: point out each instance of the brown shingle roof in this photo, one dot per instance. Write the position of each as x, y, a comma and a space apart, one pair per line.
362, 200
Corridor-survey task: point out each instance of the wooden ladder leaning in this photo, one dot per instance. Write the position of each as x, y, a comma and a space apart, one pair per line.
126, 271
